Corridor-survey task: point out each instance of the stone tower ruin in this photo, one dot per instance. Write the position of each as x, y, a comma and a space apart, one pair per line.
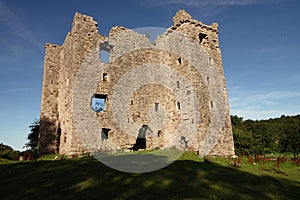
172, 91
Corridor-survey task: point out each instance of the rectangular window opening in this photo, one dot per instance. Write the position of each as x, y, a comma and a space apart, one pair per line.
105, 49
98, 102
156, 107
104, 133
177, 84
211, 104
105, 77
201, 37
104, 56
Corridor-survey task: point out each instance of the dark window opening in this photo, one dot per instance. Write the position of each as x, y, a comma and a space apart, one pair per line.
98, 102
179, 61
178, 105
104, 133
185, 141
211, 104
177, 84
51, 82
105, 77
65, 138
131, 102
156, 107
201, 37
158, 133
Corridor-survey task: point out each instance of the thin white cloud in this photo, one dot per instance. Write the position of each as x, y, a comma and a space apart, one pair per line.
204, 3
273, 95
263, 105
17, 90
14, 22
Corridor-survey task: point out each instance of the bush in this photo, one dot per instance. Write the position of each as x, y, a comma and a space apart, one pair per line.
7, 152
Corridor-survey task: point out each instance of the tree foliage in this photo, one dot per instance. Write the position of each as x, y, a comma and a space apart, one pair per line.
33, 136
7, 152
279, 135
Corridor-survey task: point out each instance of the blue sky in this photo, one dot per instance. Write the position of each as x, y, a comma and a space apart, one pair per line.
259, 40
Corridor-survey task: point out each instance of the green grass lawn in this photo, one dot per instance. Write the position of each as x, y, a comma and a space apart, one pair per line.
187, 178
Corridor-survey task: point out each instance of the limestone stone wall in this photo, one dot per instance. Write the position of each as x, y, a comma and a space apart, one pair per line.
175, 86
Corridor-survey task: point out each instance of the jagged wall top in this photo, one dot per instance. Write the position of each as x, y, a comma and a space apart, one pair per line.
182, 16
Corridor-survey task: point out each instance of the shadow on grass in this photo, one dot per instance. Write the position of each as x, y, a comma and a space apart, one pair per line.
89, 179
139, 162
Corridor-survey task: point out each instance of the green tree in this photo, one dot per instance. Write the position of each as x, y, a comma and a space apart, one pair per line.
33, 136
289, 140
7, 152
243, 139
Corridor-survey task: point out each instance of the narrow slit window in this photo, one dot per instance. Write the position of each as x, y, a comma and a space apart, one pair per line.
158, 133
131, 102
98, 102
178, 85
178, 106
211, 104
105, 77
179, 61
65, 138
156, 107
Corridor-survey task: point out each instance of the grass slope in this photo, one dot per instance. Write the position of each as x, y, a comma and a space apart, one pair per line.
187, 178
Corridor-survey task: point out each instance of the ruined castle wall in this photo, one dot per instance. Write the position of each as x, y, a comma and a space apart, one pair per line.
178, 81
49, 104
78, 43
204, 40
